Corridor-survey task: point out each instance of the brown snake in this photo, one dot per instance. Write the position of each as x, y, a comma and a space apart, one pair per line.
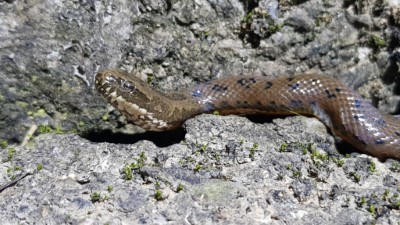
341, 109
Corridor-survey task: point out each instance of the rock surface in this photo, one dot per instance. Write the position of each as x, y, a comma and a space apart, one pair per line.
225, 170
86, 165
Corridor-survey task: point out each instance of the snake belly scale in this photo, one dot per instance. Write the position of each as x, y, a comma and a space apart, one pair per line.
341, 109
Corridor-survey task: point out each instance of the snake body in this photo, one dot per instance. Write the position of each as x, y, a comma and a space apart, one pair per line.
341, 109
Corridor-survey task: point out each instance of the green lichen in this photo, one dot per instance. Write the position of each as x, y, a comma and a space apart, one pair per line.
363, 200
273, 27
296, 173
197, 168
317, 157
372, 210
395, 167
217, 157
127, 172
386, 194
356, 177
203, 148
110, 188
283, 147
372, 167
377, 42
95, 197
157, 185
150, 78
59, 130
81, 125
22, 104
11, 171
305, 148
158, 195
141, 161
105, 117
3, 144
253, 150
337, 161
44, 129
396, 204
10, 153
40, 113
98, 197
202, 34
179, 188
39, 167
248, 18
34, 78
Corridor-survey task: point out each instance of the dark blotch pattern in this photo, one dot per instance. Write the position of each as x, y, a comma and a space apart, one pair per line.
296, 103
219, 88
357, 103
294, 86
225, 104
246, 82
242, 104
197, 93
380, 122
268, 85
329, 94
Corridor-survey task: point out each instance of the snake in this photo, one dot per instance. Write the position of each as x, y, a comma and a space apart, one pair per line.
343, 111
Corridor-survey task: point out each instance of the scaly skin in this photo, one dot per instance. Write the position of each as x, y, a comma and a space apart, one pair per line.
341, 109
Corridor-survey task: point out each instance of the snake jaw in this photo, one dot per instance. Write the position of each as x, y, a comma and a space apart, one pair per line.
122, 95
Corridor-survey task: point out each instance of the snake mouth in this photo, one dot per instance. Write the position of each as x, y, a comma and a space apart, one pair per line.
104, 83
116, 90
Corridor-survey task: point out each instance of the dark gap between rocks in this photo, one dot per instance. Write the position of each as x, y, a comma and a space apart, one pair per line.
168, 138
161, 139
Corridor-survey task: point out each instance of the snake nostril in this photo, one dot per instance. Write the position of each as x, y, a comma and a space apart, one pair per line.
109, 78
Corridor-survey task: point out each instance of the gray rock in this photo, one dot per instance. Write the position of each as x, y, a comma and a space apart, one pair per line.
225, 170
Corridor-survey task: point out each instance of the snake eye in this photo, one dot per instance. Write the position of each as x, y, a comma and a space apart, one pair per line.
128, 86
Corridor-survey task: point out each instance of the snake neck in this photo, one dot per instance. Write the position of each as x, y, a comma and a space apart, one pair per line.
173, 108
142, 104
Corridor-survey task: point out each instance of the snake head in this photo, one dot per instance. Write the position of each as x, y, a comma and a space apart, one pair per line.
131, 96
